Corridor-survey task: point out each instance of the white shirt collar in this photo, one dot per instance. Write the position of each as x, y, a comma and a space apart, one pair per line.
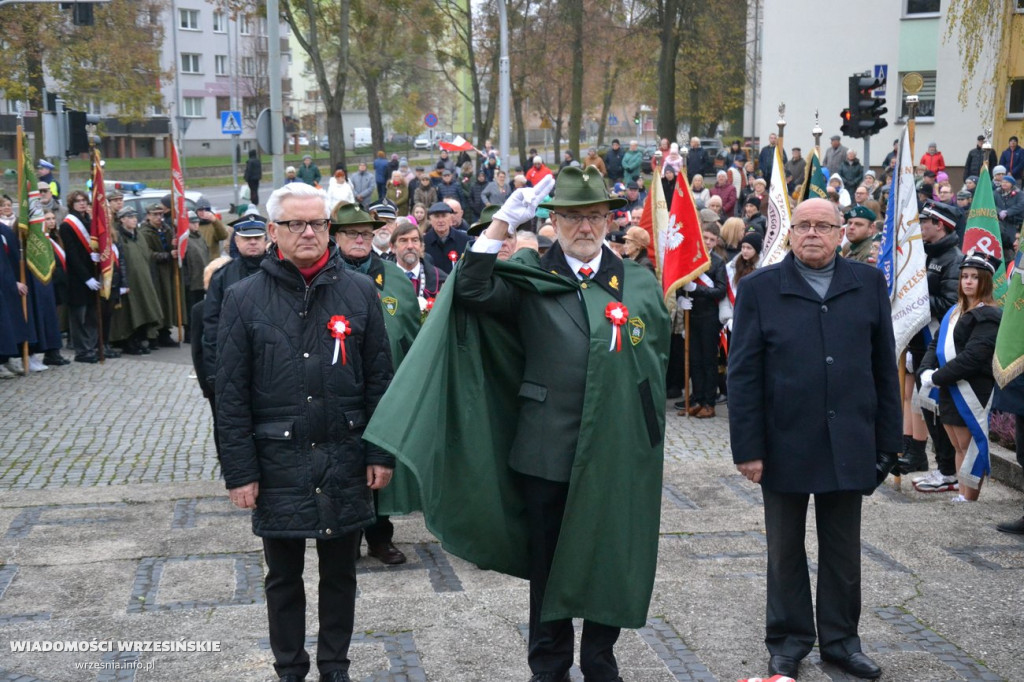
575, 264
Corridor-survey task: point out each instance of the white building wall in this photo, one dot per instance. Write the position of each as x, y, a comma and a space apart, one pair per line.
810, 48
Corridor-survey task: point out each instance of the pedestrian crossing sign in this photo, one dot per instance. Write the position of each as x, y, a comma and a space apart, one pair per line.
231, 122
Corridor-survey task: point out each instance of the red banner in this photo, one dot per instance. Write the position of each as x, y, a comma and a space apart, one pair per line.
99, 226
179, 216
648, 217
685, 255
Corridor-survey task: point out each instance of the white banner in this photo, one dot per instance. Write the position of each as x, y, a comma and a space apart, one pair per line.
911, 311
776, 233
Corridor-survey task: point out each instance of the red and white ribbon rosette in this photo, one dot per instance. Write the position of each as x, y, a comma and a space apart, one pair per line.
453, 255
618, 314
339, 329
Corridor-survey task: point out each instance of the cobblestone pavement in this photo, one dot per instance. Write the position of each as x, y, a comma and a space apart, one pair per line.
116, 538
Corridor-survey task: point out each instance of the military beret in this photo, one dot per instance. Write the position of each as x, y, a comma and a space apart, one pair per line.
861, 212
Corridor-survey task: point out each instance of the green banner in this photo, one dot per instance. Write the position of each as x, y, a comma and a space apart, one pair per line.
982, 234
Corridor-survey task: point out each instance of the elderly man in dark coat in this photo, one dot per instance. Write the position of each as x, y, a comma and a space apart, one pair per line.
303, 359
814, 409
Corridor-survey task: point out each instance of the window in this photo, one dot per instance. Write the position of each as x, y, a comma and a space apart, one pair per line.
156, 110
244, 26
192, 107
220, 22
93, 106
188, 19
261, 26
926, 98
220, 65
921, 7
1018, 6
189, 63
248, 66
1015, 100
223, 104
249, 109
312, 95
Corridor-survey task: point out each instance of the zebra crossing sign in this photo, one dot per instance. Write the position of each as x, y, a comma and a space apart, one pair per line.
231, 122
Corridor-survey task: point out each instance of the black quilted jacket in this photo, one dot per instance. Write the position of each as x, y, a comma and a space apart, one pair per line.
288, 416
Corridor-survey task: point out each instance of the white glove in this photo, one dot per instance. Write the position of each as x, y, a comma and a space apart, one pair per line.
690, 286
926, 380
92, 284
684, 303
95, 257
728, 324
521, 207
124, 291
706, 280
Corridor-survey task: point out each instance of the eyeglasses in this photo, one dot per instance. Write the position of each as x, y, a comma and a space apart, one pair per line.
356, 234
576, 219
819, 228
299, 226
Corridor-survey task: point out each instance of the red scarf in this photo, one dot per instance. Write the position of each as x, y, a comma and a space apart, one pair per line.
309, 273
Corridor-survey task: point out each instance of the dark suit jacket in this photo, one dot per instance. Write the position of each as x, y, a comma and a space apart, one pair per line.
813, 388
440, 251
556, 330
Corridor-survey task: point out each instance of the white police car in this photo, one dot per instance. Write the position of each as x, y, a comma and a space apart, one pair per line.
139, 197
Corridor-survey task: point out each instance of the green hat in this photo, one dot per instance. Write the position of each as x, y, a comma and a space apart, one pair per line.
352, 214
486, 216
579, 187
861, 212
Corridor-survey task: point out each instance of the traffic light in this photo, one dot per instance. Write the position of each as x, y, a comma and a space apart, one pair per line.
846, 128
636, 118
865, 117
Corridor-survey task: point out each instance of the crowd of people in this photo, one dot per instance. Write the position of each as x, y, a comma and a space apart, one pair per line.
365, 256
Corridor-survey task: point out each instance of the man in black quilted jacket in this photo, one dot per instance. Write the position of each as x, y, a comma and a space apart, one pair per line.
303, 359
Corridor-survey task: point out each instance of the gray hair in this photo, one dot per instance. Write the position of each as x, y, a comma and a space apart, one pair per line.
293, 189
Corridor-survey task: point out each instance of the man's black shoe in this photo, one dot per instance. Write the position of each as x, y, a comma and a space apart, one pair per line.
387, 553
783, 665
167, 342
91, 358
549, 677
858, 665
1015, 527
335, 676
109, 352
681, 405
291, 678
55, 359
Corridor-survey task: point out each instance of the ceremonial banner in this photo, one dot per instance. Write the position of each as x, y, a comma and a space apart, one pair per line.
99, 227
39, 256
982, 234
684, 256
179, 214
654, 218
902, 258
1008, 361
776, 233
815, 183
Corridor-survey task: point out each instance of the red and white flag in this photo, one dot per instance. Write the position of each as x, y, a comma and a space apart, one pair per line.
99, 227
655, 214
459, 144
681, 242
179, 216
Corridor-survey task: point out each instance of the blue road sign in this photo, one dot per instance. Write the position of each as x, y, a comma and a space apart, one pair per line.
430, 120
613, 120
881, 72
231, 122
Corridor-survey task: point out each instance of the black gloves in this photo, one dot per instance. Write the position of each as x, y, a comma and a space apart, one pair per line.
885, 462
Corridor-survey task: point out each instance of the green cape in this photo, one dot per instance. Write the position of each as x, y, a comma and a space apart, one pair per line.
402, 320
450, 416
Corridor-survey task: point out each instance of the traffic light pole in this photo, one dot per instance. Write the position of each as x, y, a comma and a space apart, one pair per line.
63, 141
867, 154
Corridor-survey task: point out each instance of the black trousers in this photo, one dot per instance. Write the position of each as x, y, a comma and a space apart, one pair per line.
945, 453
790, 620
254, 191
550, 649
704, 359
382, 529
286, 602
84, 328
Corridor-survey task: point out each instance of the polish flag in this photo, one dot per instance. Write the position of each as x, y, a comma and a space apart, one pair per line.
459, 144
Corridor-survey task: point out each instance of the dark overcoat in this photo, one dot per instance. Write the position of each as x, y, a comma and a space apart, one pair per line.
813, 388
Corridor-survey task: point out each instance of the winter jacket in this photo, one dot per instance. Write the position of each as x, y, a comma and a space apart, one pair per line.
631, 163
362, 187
238, 269
974, 338
290, 410
933, 162
613, 162
976, 157
852, 174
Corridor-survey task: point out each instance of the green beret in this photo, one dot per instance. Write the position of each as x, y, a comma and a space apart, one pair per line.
861, 212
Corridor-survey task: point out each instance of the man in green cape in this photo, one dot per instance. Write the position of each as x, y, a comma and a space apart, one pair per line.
352, 229
531, 411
